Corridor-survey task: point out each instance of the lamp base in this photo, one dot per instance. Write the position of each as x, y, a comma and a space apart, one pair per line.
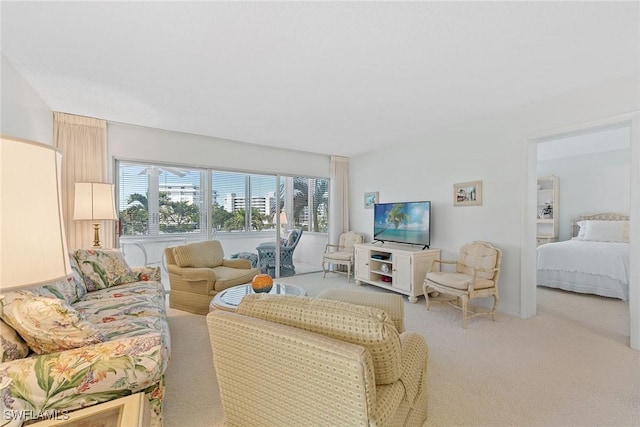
96, 236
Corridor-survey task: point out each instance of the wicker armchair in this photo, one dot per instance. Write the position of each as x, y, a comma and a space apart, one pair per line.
476, 275
267, 255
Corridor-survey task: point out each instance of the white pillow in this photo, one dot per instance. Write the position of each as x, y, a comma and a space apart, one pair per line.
605, 231
583, 229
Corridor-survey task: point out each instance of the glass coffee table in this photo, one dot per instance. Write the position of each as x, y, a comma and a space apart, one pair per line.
230, 298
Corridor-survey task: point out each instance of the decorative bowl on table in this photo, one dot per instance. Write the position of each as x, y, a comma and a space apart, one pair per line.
261, 283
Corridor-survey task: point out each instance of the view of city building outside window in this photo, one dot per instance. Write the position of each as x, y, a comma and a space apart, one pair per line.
155, 199
305, 202
159, 199
242, 202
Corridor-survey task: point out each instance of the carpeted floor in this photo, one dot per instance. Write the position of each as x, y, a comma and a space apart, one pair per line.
569, 366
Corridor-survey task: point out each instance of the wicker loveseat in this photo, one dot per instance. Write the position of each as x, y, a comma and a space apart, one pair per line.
98, 335
300, 361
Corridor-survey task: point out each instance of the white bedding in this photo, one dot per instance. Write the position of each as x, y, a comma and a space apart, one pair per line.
600, 268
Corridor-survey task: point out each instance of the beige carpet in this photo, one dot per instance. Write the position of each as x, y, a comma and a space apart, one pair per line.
569, 366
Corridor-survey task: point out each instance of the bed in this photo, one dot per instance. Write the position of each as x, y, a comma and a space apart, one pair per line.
594, 261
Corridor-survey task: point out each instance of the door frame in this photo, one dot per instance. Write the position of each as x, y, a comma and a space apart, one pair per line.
528, 297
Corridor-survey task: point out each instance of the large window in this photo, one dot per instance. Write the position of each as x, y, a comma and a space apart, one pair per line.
306, 202
157, 199
242, 202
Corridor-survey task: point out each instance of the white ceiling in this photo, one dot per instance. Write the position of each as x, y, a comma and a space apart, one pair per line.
328, 77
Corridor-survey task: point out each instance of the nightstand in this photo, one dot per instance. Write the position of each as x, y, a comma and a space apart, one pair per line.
541, 240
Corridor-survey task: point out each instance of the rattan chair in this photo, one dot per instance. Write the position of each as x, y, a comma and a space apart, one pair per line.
476, 275
267, 255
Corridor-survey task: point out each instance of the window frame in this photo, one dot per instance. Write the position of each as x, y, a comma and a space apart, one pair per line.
207, 231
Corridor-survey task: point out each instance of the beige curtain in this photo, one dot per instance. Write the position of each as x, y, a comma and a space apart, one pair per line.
83, 142
339, 194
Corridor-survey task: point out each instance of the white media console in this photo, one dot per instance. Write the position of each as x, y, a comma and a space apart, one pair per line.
399, 268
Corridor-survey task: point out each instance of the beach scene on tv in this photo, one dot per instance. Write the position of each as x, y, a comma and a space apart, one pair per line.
402, 222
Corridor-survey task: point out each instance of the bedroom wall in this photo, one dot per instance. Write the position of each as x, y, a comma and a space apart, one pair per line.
588, 184
492, 149
24, 113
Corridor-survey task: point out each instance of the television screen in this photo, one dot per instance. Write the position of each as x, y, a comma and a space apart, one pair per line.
406, 222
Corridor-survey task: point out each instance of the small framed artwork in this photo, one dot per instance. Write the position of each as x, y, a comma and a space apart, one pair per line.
467, 193
370, 199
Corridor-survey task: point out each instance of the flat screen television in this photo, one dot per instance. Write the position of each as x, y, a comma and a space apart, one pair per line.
405, 222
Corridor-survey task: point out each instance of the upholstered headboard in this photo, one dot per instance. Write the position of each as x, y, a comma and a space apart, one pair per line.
603, 216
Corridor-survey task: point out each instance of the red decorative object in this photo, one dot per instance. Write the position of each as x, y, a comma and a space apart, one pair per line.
262, 283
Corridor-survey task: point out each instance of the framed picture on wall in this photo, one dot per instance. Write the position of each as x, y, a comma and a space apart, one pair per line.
467, 193
370, 199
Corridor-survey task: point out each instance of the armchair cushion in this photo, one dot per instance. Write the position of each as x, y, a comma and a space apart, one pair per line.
208, 253
458, 280
349, 239
340, 256
477, 255
237, 263
229, 276
366, 326
198, 274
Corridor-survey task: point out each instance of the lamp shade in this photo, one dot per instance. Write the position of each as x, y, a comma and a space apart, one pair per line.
94, 201
33, 247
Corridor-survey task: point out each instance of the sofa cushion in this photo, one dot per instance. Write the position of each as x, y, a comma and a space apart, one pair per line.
366, 326
76, 275
103, 268
47, 324
12, 347
132, 300
147, 273
208, 253
64, 289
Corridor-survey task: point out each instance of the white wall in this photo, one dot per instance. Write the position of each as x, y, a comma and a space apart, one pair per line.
129, 142
490, 149
154, 145
24, 113
589, 184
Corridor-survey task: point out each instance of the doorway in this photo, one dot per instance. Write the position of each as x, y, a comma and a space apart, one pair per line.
528, 283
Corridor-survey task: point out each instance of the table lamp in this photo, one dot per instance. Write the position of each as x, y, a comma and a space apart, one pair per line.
283, 221
33, 247
94, 201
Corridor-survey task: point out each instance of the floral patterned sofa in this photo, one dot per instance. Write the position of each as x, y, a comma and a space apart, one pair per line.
98, 335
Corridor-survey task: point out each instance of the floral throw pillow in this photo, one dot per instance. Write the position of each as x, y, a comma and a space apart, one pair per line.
47, 324
12, 347
103, 268
76, 275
